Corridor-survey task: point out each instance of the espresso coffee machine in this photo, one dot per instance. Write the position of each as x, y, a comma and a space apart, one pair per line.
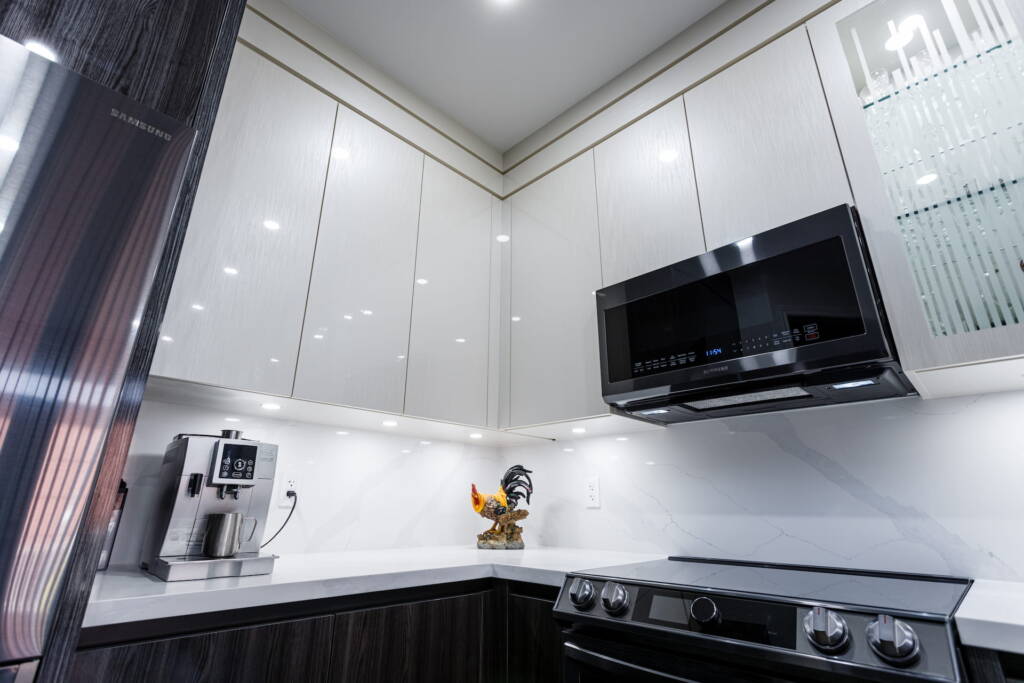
216, 485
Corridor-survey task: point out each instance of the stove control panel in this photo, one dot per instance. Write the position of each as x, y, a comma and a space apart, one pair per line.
831, 635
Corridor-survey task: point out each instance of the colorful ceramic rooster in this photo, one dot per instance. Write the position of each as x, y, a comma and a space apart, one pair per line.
500, 508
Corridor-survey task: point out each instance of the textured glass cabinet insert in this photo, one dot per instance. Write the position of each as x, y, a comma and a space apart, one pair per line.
941, 83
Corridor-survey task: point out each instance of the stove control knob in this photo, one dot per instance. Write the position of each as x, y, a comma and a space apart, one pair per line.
703, 610
582, 594
893, 640
615, 598
826, 630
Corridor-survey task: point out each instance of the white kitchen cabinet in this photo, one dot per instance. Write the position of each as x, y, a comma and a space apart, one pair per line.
555, 269
449, 343
646, 196
236, 307
764, 149
934, 148
355, 339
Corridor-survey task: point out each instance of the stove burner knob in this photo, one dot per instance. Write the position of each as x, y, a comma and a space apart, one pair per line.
826, 630
615, 598
893, 640
582, 594
703, 610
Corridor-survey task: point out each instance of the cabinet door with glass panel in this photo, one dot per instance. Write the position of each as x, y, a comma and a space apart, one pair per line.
927, 97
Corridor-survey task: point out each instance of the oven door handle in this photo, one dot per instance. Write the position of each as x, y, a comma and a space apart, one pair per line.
612, 665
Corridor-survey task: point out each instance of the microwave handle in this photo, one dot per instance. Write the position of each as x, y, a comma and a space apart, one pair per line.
612, 665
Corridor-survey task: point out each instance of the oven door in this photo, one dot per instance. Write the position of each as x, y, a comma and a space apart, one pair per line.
585, 666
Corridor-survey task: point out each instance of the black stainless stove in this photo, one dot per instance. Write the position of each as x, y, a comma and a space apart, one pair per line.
685, 619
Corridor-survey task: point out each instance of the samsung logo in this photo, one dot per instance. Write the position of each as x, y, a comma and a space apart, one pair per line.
717, 368
141, 125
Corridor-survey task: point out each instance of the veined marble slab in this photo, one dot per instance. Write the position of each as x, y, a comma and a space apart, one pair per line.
992, 616
120, 596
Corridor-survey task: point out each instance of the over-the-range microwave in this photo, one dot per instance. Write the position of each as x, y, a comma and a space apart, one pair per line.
788, 318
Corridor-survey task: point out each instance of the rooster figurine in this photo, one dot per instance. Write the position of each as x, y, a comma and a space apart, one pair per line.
500, 508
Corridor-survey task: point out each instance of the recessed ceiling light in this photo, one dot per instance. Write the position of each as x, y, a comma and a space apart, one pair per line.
8, 144
927, 178
476, 435
198, 307
341, 433
230, 270
167, 339
667, 156
422, 281
341, 153
389, 423
579, 430
503, 238
43, 51
516, 318
271, 406
271, 225
366, 311
460, 340
318, 336
231, 419
347, 316
622, 438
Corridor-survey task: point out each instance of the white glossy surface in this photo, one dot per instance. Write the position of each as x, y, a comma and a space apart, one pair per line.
365, 257
646, 196
602, 425
764, 149
556, 268
447, 379
128, 595
267, 162
992, 616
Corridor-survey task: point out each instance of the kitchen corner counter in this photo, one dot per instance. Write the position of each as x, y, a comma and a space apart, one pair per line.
992, 616
127, 595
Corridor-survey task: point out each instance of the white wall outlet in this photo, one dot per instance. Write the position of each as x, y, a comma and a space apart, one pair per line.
593, 492
291, 483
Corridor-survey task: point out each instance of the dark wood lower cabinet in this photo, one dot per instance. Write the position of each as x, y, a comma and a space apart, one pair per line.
449, 640
475, 632
534, 641
287, 651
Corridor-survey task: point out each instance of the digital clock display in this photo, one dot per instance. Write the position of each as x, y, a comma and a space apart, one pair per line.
713, 352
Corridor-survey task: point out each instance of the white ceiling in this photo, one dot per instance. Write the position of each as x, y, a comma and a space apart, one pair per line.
503, 68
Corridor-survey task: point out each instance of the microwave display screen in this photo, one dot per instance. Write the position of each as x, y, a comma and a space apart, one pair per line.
801, 297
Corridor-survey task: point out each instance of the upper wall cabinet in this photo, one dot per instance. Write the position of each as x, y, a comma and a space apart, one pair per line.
450, 337
763, 144
355, 339
556, 267
646, 197
928, 102
236, 306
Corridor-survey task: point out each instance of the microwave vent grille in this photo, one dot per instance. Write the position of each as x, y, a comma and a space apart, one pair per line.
752, 397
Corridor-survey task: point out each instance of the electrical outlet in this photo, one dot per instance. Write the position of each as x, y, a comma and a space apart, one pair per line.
290, 483
593, 492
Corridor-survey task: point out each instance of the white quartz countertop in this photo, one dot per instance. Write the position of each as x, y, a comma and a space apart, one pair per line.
992, 616
120, 596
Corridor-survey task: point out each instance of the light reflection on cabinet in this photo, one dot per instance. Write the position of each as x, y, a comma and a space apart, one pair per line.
449, 341
236, 306
356, 332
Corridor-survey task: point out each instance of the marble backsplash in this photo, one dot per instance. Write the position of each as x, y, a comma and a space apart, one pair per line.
905, 485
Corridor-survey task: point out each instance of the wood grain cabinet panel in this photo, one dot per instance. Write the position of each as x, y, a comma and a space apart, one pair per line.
449, 342
646, 196
236, 306
534, 641
288, 651
450, 640
355, 340
555, 270
764, 149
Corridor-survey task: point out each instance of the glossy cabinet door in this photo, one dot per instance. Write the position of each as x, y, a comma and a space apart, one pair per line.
764, 149
236, 307
449, 344
355, 338
555, 269
646, 196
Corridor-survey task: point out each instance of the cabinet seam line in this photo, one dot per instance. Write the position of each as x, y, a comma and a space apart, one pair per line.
597, 216
693, 174
412, 298
316, 242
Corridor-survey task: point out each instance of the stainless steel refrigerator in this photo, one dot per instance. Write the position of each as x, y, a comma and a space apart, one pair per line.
88, 181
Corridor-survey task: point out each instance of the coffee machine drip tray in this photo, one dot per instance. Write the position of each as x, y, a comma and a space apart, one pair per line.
192, 568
